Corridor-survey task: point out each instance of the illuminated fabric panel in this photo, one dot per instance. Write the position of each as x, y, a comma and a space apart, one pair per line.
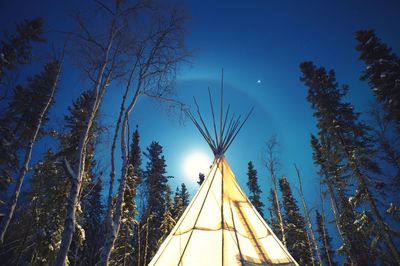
221, 227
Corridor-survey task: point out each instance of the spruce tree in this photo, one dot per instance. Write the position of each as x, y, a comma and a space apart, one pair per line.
45, 212
48, 196
383, 76
17, 48
201, 179
382, 72
135, 156
184, 196
125, 244
26, 115
75, 124
327, 253
135, 159
78, 113
296, 232
178, 208
156, 183
124, 249
254, 188
181, 201
388, 149
168, 222
93, 213
338, 121
355, 242
273, 213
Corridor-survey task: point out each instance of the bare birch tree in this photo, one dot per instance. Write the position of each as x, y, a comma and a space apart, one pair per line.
100, 48
329, 257
307, 216
156, 57
272, 163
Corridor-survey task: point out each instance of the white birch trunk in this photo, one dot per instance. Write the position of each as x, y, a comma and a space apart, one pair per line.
270, 164
336, 216
281, 225
310, 248
73, 197
114, 144
307, 216
113, 223
72, 201
325, 237
139, 253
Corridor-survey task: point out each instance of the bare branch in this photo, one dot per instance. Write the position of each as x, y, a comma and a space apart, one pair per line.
182, 105
69, 168
106, 8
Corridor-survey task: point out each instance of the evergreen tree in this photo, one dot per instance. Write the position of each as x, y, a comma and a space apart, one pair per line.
124, 247
255, 191
29, 101
201, 179
178, 205
168, 221
296, 232
340, 123
93, 213
388, 148
50, 190
25, 116
124, 250
383, 76
75, 125
273, 212
156, 183
17, 49
181, 201
382, 73
100, 73
47, 199
355, 242
44, 213
184, 193
327, 253
135, 157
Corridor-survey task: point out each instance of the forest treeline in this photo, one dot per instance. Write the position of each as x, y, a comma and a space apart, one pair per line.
358, 157
56, 210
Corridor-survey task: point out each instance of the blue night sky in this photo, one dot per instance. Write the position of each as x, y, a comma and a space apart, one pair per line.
251, 40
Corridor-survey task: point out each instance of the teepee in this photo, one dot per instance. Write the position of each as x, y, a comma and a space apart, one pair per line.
220, 226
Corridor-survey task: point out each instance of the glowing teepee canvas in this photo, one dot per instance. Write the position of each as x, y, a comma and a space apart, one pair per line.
220, 226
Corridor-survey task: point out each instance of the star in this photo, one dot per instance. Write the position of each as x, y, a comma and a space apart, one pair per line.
259, 81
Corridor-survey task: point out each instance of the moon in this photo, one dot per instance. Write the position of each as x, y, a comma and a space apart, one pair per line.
196, 162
